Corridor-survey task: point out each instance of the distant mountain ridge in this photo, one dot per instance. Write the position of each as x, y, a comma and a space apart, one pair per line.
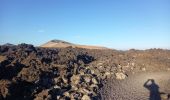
8, 44
63, 44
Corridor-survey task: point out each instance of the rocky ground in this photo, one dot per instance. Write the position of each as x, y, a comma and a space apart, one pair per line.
28, 72
132, 88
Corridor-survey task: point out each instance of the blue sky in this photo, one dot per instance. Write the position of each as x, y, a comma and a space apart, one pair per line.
119, 24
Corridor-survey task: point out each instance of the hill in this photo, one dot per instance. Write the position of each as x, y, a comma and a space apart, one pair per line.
64, 44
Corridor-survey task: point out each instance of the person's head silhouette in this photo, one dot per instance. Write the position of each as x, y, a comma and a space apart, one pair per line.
152, 81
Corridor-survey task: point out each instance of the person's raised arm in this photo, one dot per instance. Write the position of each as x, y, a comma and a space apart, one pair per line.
146, 84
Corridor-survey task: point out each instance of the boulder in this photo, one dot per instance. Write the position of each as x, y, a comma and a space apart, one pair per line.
120, 75
87, 78
73, 87
92, 71
65, 80
4, 88
2, 58
94, 80
85, 97
67, 94
164, 96
43, 95
57, 87
75, 79
86, 91
107, 73
143, 69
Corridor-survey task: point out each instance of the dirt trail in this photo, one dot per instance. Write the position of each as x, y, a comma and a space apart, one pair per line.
132, 88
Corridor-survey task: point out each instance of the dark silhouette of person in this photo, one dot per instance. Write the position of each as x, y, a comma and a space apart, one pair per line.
153, 88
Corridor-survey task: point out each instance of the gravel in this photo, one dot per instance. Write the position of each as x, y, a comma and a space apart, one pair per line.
132, 87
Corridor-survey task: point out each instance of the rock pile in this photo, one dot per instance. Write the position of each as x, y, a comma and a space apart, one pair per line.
72, 83
27, 72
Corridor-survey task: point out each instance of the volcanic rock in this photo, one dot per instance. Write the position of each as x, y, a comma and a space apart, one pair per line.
28, 72
120, 75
